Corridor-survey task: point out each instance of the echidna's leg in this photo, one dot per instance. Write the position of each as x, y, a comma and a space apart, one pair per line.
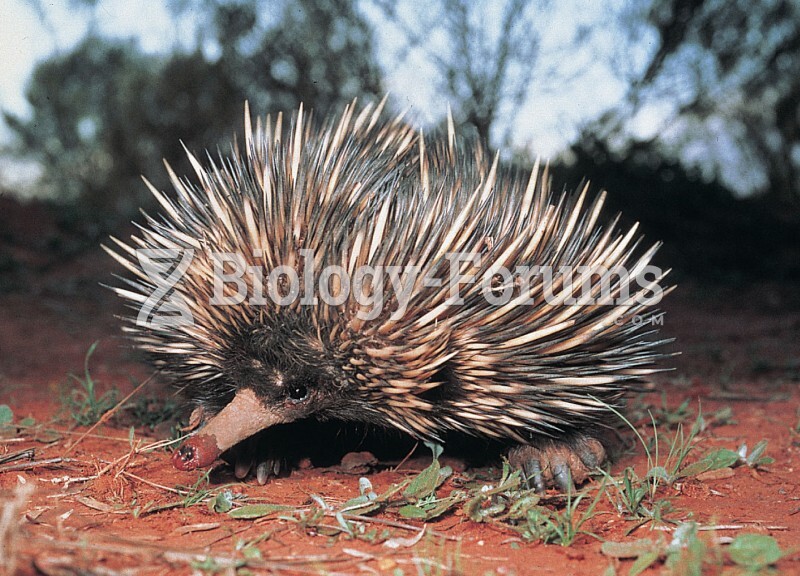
559, 464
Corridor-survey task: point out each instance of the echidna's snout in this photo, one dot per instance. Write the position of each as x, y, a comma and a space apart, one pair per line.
200, 450
245, 415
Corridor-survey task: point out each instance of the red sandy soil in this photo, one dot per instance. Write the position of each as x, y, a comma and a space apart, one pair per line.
740, 348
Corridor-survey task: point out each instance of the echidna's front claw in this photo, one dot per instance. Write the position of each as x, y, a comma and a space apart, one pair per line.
262, 472
558, 464
263, 456
242, 467
272, 467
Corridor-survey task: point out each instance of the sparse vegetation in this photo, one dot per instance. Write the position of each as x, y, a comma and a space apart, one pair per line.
386, 518
150, 411
83, 403
397, 517
505, 504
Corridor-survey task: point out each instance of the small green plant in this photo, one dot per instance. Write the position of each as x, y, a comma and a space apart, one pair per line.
561, 526
658, 472
198, 491
421, 491
82, 401
637, 497
151, 411
218, 499
6, 417
679, 448
725, 458
628, 494
688, 554
722, 417
32, 429
506, 503
210, 565
756, 456
6, 414
755, 552
672, 417
685, 554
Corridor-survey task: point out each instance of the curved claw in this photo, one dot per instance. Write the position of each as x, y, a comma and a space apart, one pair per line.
242, 467
261, 456
262, 473
562, 477
271, 467
532, 469
558, 464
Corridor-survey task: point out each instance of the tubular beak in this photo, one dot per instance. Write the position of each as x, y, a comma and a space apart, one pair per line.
243, 417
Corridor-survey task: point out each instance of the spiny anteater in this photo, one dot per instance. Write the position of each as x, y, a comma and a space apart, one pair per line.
364, 274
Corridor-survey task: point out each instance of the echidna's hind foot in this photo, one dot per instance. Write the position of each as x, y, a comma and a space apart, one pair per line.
558, 464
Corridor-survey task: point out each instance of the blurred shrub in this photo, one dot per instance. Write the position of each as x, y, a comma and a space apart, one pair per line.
707, 231
105, 113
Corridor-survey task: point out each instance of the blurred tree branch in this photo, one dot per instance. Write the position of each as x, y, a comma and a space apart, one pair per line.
483, 72
731, 68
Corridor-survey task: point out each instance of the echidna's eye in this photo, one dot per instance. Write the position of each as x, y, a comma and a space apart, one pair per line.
298, 392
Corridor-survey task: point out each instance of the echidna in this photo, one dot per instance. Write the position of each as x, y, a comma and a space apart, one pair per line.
357, 272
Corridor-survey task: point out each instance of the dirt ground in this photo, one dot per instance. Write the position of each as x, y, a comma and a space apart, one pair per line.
69, 506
